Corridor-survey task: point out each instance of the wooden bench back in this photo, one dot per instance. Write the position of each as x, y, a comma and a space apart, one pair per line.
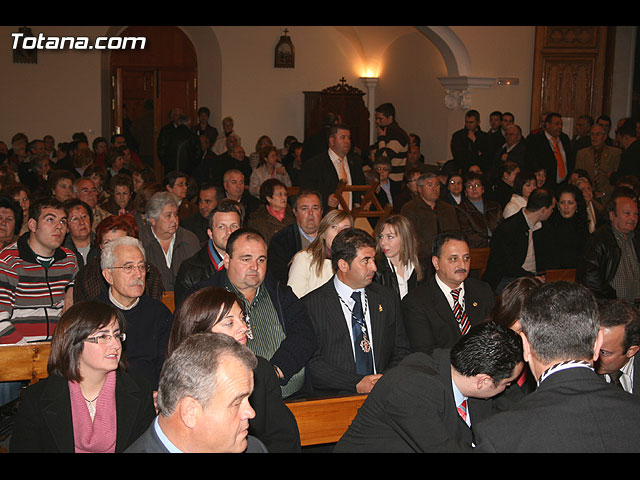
325, 420
24, 362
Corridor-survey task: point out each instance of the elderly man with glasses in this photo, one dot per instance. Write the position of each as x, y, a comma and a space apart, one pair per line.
148, 320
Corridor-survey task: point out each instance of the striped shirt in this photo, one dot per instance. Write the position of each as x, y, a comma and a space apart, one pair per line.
266, 331
32, 296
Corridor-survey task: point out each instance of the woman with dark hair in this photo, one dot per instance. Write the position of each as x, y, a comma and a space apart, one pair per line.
90, 283
311, 267
217, 310
99, 176
570, 227
22, 196
455, 189
502, 189
60, 185
10, 221
268, 167
275, 213
523, 185
506, 312
397, 261
89, 403
478, 217
120, 200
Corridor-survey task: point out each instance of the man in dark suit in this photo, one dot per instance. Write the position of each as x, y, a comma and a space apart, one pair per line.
307, 209
551, 148
323, 172
430, 403
430, 311
620, 326
470, 145
358, 323
513, 150
630, 157
521, 245
572, 410
203, 400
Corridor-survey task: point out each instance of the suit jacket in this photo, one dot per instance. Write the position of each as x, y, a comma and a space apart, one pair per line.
516, 155
508, 249
332, 367
149, 442
319, 174
429, 320
44, 423
412, 409
186, 245
540, 152
629, 163
609, 162
477, 226
428, 223
282, 248
572, 410
466, 153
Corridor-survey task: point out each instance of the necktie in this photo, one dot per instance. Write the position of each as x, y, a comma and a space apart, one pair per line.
462, 409
345, 177
615, 378
556, 150
459, 313
364, 358
597, 154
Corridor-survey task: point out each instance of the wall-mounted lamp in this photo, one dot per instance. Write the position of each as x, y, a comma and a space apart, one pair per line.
507, 81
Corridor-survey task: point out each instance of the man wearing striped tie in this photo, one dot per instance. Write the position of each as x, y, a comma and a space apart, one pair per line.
439, 312
429, 403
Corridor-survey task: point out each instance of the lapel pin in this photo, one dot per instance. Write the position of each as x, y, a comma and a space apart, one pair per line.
379, 307
475, 304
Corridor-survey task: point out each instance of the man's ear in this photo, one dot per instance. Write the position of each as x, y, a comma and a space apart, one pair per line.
526, 347
189, 410
598, 345
108, 275
633, 349
343, 265
32, 224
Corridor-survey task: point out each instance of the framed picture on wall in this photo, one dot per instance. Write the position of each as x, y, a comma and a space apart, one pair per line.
285, 54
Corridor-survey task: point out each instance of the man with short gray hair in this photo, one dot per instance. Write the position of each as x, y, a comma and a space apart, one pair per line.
203, 400
429, 214
167, 243
148, 320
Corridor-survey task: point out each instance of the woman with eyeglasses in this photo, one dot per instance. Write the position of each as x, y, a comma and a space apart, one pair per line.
275, 213
217, 310
478, 217
89, 403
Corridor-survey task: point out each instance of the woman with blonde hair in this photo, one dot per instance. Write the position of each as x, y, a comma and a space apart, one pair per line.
311, 268
397, 255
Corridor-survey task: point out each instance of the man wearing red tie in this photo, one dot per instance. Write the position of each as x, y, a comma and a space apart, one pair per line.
429, 403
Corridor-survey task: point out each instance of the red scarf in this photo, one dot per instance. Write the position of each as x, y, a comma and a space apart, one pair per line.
98, 436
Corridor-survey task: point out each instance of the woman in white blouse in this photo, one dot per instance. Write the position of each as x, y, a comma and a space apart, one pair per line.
523, 185
311, 267
269, 167
397, 255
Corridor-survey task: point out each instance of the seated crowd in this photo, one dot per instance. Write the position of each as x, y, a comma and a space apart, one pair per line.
285, 288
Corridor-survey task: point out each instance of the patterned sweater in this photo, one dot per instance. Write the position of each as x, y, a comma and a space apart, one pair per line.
32, 296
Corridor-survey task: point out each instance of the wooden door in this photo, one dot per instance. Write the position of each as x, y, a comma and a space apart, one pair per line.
572, 71
163, 76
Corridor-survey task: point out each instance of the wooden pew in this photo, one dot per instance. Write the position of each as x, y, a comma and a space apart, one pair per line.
168, 298
24, 362
566, 275
324, 420
479, 259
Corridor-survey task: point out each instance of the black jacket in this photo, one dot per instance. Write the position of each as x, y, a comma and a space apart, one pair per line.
600, 262
386, 276
191, 272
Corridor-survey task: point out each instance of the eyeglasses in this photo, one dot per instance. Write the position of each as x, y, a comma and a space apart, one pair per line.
474, 185
130, 268
105, 338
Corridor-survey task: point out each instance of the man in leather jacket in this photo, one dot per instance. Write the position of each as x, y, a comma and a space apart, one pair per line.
225, 219
610, 267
